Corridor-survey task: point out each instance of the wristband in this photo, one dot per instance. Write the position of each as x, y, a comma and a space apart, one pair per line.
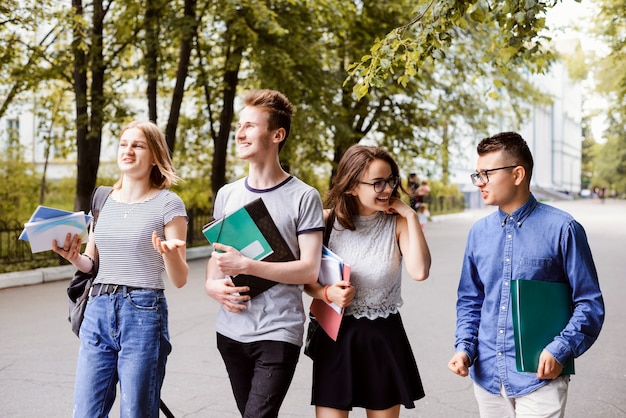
326, 295
93, 264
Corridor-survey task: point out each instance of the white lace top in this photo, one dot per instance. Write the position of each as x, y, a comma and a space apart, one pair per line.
375, 261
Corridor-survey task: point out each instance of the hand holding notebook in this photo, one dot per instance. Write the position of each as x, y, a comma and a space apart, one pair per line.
252, 232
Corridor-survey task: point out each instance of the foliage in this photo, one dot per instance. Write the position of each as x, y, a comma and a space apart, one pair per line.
589, 154
123, 60
19, 186
610, 27
24, 46
610, 164
444, 198
196, 193
511, 30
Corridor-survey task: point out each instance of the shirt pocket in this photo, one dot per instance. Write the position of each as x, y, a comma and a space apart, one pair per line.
537, 268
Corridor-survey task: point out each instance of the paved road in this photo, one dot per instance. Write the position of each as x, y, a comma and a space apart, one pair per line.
38, 350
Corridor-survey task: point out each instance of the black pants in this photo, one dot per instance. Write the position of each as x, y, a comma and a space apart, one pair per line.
260, 374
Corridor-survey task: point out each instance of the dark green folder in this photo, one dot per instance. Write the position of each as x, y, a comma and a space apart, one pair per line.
540, 312
252, 231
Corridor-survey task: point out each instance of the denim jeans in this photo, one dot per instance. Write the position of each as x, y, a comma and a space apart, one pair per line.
260, 374
124, 338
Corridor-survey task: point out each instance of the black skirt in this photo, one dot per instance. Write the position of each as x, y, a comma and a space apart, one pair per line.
371, 365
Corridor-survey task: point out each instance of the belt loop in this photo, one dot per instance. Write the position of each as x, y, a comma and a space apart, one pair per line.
115, 289
100, 290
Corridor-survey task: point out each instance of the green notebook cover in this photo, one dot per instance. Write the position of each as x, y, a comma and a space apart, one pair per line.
540, 312
239, 231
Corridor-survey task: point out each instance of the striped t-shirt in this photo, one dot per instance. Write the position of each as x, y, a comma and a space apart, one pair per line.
123, 235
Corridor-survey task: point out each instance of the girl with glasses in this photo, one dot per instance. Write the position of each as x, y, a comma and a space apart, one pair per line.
371, 365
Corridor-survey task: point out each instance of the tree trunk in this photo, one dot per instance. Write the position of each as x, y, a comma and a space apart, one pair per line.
88, 130
82, 107
151, 26
190, 27
231, 79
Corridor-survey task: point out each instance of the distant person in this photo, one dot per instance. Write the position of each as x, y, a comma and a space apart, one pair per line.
422, 192
596, 192
423, 214
260, 338
371, 365
140, 234
523, 239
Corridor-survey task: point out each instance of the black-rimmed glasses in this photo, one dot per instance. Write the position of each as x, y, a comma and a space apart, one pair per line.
483, 175
379, 186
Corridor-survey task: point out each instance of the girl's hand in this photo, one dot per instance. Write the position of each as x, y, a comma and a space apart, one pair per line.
71, 248
396, 205
165, 247
341, 293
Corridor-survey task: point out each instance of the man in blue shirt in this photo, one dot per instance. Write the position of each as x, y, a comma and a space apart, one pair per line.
529, 240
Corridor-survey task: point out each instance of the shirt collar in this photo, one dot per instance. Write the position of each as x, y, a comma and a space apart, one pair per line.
520, 215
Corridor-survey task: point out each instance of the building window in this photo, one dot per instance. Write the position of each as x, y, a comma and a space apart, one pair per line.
13, 132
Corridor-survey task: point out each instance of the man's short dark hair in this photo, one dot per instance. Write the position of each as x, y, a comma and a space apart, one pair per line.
514, 148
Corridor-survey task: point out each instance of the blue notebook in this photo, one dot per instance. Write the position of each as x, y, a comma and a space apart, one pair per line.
48, 224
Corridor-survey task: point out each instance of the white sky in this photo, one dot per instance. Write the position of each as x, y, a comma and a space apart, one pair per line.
571, 19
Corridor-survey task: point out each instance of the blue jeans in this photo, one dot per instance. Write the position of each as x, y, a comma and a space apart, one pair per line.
124, 337
260, 374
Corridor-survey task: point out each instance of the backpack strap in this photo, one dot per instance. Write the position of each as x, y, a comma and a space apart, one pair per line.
98, 198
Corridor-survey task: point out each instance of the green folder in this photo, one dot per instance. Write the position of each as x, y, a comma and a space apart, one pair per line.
540, 312
239, 231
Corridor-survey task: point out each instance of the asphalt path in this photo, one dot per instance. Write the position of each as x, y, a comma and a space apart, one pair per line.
38, 351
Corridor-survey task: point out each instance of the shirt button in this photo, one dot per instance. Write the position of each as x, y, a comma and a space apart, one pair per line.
499, 353
509, 236
501, 331
508, 260
503, 307
506, 283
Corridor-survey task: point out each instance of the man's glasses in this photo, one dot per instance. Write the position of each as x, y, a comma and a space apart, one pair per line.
379, 186
482, 175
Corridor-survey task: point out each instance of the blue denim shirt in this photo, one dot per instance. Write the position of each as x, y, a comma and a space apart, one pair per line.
536, 242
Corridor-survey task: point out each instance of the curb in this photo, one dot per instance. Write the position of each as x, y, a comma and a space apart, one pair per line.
51, 274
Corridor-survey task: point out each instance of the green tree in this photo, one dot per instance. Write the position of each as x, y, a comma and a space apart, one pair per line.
512, 30
204, 53
24, 49
105, 44
589, 154
610, 163
18, 185
610, 27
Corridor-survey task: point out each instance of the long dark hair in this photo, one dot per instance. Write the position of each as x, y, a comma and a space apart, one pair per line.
355, 161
